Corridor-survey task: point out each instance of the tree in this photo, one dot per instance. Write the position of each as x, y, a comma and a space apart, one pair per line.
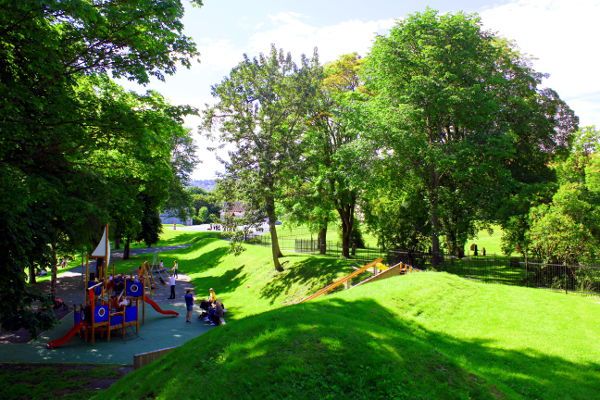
261, 111
464, 116
336, 154
568, 228
66, 130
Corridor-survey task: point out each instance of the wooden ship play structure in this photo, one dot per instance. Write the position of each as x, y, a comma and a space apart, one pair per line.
112, 303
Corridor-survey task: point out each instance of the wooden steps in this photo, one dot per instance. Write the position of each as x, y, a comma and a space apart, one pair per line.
341, 281
398, 269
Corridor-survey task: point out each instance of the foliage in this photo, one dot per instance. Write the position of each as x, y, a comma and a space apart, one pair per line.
568, 228
206, 205
337, 155
261, 111
464, 119
77, 148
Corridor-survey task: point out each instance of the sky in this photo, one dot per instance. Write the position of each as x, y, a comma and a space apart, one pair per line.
559, 36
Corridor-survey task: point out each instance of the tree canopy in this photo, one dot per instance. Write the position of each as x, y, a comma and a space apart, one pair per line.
262, 110
465, 120
78, 151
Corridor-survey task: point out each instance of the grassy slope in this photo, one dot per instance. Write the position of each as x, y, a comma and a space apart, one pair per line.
20, 381
427, 335
248, 283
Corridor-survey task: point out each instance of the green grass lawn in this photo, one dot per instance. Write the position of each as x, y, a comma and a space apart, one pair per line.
73, 381
422, 336
247, 283
491, 241
289, 231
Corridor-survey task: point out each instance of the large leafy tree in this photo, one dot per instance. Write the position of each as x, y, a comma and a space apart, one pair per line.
567, 229
71, 142
261, 111
464, 117
337, 156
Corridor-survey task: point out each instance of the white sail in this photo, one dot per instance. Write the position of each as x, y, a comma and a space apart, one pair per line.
103, 248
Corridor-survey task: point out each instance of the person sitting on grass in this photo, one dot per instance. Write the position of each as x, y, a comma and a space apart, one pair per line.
206, 305
212, 296
215, 314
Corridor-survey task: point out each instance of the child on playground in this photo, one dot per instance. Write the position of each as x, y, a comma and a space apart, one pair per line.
172, 284
189, 304
175, 269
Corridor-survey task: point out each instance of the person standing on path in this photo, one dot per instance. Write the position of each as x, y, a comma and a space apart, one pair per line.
189, 305
175, 269
172, 284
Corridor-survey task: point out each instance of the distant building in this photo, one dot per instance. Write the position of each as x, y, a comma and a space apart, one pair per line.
171, 217
236, 209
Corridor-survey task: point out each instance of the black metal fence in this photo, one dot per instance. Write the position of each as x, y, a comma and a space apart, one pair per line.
491, 268
510, 271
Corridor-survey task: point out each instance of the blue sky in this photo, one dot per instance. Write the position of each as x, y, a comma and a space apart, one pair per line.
559, 35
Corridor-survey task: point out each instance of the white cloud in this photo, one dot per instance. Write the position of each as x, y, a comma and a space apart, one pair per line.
218, 55
293, 33
560, 36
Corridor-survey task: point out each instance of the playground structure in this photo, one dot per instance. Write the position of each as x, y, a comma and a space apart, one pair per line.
111, 303
375, 267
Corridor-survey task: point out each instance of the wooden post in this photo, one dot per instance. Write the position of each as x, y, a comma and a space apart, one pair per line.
106, 257
87, 277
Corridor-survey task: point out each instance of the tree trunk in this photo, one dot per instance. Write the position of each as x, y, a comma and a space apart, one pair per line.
435, 227
54, 263
346, 215
126, 249
117, 242
322, 240
275, 250
31, 273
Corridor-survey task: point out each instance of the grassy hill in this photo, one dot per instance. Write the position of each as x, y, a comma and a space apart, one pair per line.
422, 336
248, 283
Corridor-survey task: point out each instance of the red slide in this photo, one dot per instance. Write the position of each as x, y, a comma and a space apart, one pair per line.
158, 309
59, 342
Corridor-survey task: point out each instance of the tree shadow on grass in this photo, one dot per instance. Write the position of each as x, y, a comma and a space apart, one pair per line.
359, 350
227, 282
204, 262
311, 274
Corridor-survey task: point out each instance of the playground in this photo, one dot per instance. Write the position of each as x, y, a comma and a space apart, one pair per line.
151, 321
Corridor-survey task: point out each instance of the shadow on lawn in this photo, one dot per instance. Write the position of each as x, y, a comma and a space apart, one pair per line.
227, 282
313, 273
357, 350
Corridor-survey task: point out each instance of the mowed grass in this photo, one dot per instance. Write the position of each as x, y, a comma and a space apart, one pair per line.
288, 231
248, 283
488, 239
72, 381
421, 336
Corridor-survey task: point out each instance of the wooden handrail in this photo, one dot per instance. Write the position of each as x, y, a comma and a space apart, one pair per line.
341, 281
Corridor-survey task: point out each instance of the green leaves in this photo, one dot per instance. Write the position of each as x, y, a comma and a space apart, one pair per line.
464, 119
79, 149
261, 113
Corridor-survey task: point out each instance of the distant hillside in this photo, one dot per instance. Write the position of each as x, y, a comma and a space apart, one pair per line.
207, 184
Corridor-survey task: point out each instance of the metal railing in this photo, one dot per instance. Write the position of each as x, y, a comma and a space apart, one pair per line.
491, 268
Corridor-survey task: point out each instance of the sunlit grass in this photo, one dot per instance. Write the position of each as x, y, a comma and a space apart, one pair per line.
425, 335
